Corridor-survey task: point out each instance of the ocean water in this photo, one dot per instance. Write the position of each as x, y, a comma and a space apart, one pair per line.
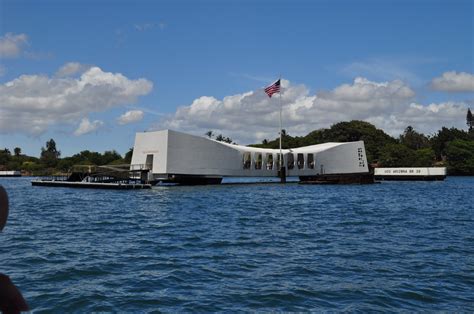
260, 247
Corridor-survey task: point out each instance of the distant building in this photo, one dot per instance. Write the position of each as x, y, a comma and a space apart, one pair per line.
183, 158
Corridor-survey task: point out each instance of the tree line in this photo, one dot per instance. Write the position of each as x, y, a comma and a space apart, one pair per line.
50, 161
448, 147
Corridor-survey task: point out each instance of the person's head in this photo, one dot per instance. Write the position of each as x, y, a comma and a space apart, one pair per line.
3, 207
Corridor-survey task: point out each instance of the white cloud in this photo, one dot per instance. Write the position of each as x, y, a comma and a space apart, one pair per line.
149, 26
389, 68
381, 69
38, 55
31, 104
72, 68
425, 118
454, 82
11, 44
255, 78
144, 26
130, 117
252, 116
87, 127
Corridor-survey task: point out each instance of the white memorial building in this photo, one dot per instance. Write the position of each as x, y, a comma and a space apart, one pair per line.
177, 157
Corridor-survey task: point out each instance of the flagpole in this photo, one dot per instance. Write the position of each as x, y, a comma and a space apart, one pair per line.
270, 90
282, 170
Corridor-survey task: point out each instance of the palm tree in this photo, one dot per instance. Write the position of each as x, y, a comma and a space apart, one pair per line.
17, 151
469, 120
209, 134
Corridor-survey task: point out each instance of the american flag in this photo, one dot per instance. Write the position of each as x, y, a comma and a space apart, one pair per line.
272, 89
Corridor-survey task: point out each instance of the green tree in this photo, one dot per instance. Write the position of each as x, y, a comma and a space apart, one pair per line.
374, 139
31, 166
440, 141
209, 134
17, 151
424, 157
414, 140
128, 156
469, 120
50, 154
86, 157
460, 157
13, 164
396, 155
355, 130
222, 138
5, 157
66, 164
109, 157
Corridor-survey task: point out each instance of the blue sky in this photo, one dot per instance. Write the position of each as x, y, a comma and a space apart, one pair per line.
197, 66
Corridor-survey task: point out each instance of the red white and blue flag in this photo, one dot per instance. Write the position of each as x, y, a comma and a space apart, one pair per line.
272, 89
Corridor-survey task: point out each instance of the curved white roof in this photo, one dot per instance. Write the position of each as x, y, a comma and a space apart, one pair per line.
169, 152
305, 149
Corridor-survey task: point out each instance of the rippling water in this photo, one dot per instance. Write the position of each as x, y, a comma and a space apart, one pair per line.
390, 246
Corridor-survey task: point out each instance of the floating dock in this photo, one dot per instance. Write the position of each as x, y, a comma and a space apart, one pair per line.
91, 185
99, 177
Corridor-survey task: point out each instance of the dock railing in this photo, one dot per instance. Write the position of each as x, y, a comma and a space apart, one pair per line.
140, 167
